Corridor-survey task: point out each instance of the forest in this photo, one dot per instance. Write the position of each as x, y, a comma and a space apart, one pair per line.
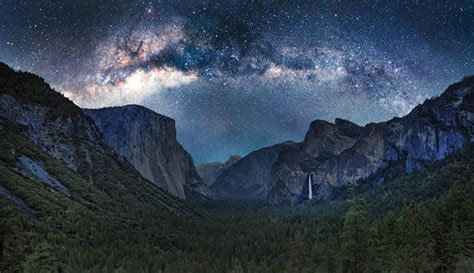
421, 222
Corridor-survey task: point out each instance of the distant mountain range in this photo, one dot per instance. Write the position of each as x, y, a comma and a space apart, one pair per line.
248, 178
341, 153
211, 171
122, 148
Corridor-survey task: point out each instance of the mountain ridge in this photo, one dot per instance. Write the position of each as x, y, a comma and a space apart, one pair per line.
430, 132
56, 126
252, 170
209, 172
338, 153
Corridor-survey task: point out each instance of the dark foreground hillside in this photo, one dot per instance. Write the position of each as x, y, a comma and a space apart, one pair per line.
423, 222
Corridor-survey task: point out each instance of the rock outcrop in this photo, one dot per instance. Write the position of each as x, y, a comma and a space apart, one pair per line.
316, 156
37, 172
209, 172
341, 153
148, 141
248, 178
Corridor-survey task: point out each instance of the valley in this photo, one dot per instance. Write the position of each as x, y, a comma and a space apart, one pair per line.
112, 190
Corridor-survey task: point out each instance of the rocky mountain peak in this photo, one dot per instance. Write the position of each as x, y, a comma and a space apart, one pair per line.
148, 141
209, 172
232, 159
325, 138
247, 178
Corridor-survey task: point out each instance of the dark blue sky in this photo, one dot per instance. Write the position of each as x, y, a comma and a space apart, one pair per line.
240, 75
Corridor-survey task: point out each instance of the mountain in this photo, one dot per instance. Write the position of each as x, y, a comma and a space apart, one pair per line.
247, 178
70, 203
148, 141
49, 140
335, 155
211, 171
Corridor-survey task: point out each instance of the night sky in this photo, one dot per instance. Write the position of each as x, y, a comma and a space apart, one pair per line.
241, 75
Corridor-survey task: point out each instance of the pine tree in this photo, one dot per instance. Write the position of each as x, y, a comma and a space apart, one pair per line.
384, 242
355, 237
454, 238
414, 242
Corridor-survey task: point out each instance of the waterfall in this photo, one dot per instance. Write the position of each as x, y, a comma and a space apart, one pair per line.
310, 187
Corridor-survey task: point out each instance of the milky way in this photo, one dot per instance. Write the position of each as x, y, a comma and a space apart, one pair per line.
240, 75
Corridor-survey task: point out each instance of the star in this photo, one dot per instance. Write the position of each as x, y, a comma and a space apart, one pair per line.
241, 75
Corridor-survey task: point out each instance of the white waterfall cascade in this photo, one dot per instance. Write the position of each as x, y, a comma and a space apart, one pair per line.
310, 187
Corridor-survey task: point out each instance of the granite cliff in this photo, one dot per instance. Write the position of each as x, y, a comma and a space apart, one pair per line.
209, 172
248, 178
340, 153
148, 141
333, 155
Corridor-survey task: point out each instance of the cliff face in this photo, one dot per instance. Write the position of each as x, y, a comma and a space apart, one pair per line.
52, 122
248, 177
148, 141
30, 109
337, 154
315, 156
209, 172
341, 153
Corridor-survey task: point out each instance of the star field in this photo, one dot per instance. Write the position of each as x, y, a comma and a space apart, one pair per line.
240, 75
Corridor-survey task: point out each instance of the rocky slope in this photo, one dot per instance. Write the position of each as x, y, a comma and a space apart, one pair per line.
248, 178
148, 141
335, 155
50, 123
209, 172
